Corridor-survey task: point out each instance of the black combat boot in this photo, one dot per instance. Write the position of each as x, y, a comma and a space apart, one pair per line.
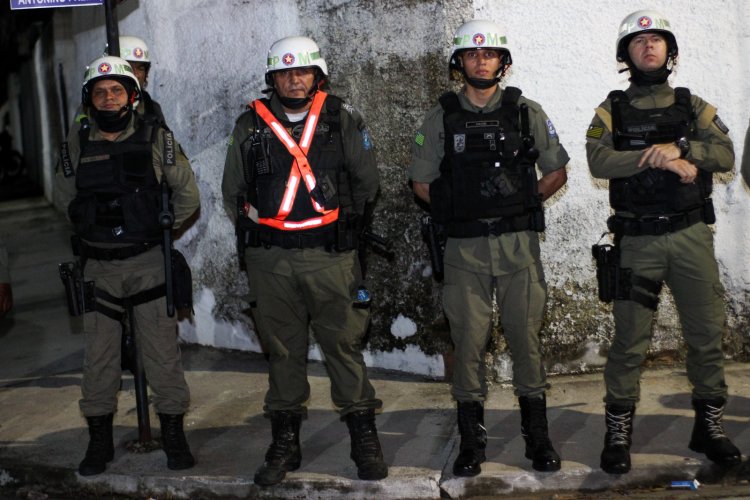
101, 447
284, 454
539, 448
473, 439
366, 451
708, 433
615, 457
174, 443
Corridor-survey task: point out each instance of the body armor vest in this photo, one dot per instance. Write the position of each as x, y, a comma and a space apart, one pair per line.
118, 197
488, 170
267, 166
654, 192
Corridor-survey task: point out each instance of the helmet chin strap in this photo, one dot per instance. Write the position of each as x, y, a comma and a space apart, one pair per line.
481, 83
295, 102
113, 121
301, 102
646, 78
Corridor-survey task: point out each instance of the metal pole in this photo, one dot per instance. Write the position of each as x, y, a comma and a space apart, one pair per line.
63, 102
141, 387
113, 33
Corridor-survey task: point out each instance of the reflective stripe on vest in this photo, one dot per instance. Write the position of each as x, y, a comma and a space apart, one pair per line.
300, 168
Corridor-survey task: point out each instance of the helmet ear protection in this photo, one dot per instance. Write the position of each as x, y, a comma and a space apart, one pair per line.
478, 34
110, 68
644, 21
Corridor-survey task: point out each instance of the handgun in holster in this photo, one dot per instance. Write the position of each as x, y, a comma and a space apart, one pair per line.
607, 271
433, 234
78, 293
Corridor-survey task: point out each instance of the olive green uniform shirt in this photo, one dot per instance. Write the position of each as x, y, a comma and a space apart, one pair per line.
710, 147
509, 252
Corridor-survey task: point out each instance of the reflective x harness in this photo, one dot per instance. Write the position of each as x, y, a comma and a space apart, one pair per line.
300, 170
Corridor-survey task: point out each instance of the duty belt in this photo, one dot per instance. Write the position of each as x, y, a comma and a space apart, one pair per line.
474, 229
257, 238
654, 226
82, 249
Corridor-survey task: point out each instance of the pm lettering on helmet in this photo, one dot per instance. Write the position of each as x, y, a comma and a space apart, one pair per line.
495, 39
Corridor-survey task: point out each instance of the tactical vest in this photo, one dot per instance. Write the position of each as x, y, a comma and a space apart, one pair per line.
118, 197
654, 191
488, 170
282, 197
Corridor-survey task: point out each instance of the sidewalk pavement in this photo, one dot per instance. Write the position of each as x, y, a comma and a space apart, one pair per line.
43, 435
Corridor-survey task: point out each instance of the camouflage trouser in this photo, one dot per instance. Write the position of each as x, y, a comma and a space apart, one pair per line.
467, 300
287, 305
156, 337
685, 262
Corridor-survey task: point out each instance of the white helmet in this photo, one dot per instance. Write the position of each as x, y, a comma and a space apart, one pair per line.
644, 21
110, 68
134, 49
479, 34
294, 52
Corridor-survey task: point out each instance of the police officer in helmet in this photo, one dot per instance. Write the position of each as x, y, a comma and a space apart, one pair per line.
659, 147
134, 50
303, 165
109, 182
474, 161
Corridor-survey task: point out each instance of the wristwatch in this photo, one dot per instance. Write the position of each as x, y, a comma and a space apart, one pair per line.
684, 145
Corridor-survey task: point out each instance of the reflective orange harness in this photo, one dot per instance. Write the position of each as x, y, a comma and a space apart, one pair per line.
300, 168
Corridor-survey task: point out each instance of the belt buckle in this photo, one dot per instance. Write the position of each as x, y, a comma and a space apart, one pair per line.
492, 227
663, 224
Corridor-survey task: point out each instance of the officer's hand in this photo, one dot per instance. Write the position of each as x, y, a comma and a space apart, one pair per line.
658, 155
686, 170
6, 298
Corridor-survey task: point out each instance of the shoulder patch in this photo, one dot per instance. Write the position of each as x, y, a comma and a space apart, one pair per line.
551, 129
67, 165
595, 132
230, 141
720, 124
419, 139
366, 139
170, 156
349, 108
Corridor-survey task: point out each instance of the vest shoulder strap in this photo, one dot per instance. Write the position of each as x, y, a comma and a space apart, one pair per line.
83, 132
511, 95
617, 96
333, 104
682, 96
450, 103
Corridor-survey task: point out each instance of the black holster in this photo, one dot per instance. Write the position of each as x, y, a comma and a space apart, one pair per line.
607, 271
619, 283
434, 235
182, 282
78, 293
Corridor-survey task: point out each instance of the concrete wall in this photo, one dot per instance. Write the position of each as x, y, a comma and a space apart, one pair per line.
389, 58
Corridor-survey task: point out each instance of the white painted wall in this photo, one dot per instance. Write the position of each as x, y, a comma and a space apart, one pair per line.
209, 60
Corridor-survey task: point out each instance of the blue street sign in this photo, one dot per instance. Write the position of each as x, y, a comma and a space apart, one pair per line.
43, 4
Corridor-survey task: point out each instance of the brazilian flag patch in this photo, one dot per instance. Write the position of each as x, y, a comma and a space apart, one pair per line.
419, 139
595, 132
